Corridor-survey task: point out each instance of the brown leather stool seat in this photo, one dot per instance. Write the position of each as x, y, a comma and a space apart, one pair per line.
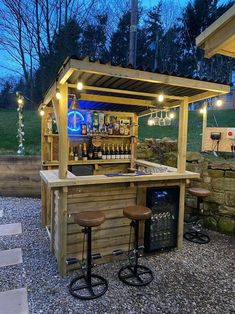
89, 219
137, 212
200, 192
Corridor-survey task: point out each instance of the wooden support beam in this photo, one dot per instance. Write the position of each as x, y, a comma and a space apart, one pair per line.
115, 71
117, 100
63, 131
204, 95
182, 136
127, 92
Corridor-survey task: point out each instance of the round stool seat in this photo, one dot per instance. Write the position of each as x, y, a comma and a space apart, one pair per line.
200, 192
137, 212
89, 219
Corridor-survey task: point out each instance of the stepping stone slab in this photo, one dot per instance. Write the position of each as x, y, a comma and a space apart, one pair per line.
10, 229
10, 257
14, 302
1, 213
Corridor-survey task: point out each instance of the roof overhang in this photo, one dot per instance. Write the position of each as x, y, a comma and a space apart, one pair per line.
219, 37
105, 83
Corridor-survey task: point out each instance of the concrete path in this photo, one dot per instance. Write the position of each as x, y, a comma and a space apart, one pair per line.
10, 257
10, 229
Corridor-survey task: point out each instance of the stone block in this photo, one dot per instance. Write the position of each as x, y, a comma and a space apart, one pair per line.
221, 166
207, 179
227, 210
216, 197
226, 225
230, 198
230, 174
223, 184
215, 173
194, 156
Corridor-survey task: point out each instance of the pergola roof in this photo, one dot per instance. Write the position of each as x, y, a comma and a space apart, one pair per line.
219, 37
122, 88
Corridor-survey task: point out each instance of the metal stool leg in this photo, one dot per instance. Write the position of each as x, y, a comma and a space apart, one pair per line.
89, 286
135, 275
194, 235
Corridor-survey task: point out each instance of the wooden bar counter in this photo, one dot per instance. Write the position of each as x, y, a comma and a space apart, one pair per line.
102, 193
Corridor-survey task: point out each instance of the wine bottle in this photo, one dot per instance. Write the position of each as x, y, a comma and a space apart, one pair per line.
71, 155
75, 154
112, 152
129, 152
80, 152
99, 153
122, 156
126, 152
95, 153
104, 154
108, 153
90, 152
117, 153
84, 152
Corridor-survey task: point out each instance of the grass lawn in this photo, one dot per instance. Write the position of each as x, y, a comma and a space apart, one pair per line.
8, 129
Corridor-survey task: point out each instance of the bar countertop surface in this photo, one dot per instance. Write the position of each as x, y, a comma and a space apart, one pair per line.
50, 177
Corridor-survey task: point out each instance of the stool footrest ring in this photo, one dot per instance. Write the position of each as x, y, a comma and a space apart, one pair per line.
197, 237
135, 275
80, 288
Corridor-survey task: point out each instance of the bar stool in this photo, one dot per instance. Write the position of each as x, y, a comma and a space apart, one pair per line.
195, 235
135, 274
88, 286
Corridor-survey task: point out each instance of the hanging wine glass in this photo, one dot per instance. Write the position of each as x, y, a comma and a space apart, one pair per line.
156, 119
161, 120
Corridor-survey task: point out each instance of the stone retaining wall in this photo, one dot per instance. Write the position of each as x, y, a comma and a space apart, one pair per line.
19, 176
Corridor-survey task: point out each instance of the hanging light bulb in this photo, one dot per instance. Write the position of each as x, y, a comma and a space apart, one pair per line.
58, 94
151, 121
161, 98
172, 115
202, 110
79, 85
219, 102
42, 112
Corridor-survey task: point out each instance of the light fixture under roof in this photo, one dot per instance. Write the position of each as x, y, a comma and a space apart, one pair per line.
58, 94
160, 98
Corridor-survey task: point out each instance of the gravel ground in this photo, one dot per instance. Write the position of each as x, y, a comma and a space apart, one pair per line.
196, 279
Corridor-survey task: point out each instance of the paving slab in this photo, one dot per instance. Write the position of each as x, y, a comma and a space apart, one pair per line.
1, 213
10, 257
10, 229
14, 301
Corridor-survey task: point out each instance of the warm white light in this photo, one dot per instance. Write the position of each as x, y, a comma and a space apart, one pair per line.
202, 110
161, 98
219, 103
151, 121
42, 112
171, 115
58, 94
80, 85
20, 100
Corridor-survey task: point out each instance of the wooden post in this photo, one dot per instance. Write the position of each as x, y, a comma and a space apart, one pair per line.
182, 136
204, 125
63, 131
181, 216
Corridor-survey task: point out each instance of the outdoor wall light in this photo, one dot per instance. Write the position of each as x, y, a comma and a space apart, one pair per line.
20, 100
161, 98
79, 85
58, 94
42, 112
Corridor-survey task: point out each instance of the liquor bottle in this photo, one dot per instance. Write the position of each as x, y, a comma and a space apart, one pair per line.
75, 154
122, 156
101, 122
108, 153
84, 152
117, 153
106, 122
95, 121
80, 152
122, 128
104, 154
110, 129
99, 153
71, 155
113, 152
126, 152
84, 129
95, 153
90, 152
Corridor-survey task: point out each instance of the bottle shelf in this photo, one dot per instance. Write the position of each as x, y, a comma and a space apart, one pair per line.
92, 135
89, 162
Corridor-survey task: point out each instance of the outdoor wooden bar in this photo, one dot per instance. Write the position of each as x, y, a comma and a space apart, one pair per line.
64, 194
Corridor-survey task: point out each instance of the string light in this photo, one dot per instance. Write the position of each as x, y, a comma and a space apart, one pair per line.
161, 98
79, 85
58, 94
172, 115
42, 112
202, 110
219, 102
